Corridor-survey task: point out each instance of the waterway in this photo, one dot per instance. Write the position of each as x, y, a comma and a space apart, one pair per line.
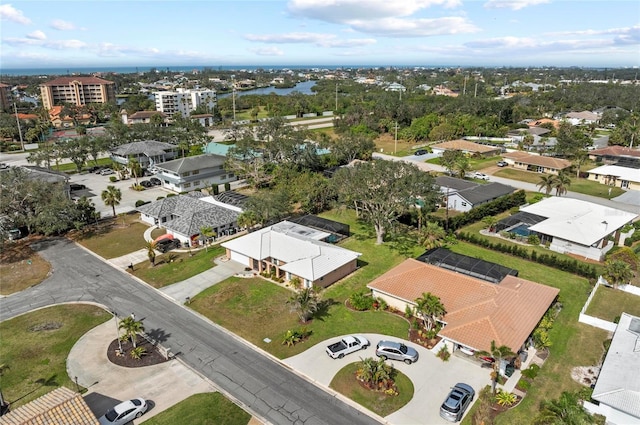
303, 87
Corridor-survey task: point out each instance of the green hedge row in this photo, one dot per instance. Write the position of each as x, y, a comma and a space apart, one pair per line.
567, 265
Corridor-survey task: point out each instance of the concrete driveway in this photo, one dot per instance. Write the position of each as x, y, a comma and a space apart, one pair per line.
162, 385
432, 378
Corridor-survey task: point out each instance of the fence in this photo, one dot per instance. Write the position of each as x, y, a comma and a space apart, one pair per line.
594, 321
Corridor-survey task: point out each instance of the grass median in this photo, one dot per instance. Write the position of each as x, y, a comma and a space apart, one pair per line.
35, 347
202, 409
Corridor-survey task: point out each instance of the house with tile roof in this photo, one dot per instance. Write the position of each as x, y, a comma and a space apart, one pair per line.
60, 120
467, 147
536, 163
290, 250
617, 388
58, 407
141, 117
615, 175
194, 173
577, 227
184, 215
146, 152
617, 155
477, 311
583, 117
541, 121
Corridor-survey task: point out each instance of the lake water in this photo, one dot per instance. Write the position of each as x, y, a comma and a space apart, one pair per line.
303, 87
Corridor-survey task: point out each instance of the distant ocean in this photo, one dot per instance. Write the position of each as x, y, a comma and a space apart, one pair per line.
135, 69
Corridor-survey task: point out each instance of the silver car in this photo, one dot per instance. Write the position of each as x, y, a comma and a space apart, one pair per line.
396, 351
456, 403
124, 412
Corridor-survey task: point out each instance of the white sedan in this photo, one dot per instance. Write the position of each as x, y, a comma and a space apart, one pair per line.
124, 412
479, 175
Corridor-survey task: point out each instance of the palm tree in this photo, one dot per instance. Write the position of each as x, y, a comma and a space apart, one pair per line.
567, 409
112, 197
547, 183
430, 308
208, 233
132, 328
491, 222
560, 184
432, 235
135, 168
247, 219
151, 252
304, 303
497, 353
617, 272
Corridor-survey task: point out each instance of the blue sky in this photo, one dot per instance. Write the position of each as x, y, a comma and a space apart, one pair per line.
46, 34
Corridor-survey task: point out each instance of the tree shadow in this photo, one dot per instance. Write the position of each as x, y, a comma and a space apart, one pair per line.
323, 309
43, 382
158, 335
402, 242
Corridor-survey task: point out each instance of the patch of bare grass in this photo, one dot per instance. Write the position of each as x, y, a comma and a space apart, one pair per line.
21, 267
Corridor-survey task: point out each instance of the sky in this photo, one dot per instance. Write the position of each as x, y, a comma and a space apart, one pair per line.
88, 33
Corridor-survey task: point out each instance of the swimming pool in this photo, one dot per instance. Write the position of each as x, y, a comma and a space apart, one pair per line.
521, 229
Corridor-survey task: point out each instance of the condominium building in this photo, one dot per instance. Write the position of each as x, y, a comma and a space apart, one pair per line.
184, 101
77, 91
5, 97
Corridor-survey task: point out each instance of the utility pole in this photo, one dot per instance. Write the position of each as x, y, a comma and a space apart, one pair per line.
464, 87
475, 92
15, 108
336, 97
395, 145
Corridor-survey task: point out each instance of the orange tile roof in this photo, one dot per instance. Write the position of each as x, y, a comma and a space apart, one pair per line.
542, 161
464, 145
58, 407
477, 311
536, 123
27, 116
616, 151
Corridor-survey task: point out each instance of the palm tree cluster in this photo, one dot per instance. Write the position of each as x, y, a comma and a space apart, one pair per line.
431, 309
376, 374
131, 328
560, 183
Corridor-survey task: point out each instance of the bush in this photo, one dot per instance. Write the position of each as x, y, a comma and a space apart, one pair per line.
140, 203
227, 186
361, 301
113, 179
533, 240
523, 384
531, 372
444, 353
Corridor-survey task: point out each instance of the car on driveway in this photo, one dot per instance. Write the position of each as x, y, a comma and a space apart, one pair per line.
166, 245
457, 402
420, 152
106, 171
155, 181
479, 175
502, 164
146, 183
347, 345
124, 412
396, 351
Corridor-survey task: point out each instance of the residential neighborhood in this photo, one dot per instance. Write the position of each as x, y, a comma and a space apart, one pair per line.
194, 242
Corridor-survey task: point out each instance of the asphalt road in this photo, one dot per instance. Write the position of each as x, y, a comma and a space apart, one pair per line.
265, 387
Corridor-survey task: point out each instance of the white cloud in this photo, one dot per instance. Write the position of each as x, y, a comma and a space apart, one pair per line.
394, 27
633, 32
9, 13
513, 4
60, 25
267, 51
317, 39
343, 11
37, 35
48, 44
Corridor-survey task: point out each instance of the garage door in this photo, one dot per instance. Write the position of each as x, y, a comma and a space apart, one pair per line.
240, 258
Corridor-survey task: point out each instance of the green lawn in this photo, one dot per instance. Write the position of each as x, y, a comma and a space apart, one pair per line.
35, 347
609, 303
70, 168
173, 267
202, 409
574, 344
585, 186
114, 237
346, 384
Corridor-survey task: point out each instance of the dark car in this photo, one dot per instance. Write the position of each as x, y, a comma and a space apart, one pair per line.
501, 164
75, 186
155, 181
166, 245
396, 351
456, 403
420, 152
146, 183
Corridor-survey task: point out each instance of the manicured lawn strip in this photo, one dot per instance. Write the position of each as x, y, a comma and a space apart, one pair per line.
202, 409
345, 383
609, 303
173, 266
70, 168
482, 162
256, 309
37, 360
574, 344
585, 186
114, 238
21, 268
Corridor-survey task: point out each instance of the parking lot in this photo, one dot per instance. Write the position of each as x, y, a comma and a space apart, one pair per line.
432, 378
96, 183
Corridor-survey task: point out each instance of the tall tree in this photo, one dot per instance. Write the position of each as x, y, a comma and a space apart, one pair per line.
617, 272
208, 233
382, 191
432, 235
497, 353
449, 159
547, 182
112, 197
430, 308
305, 303
561, 183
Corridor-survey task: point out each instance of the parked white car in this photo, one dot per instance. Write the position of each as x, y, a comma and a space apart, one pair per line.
479, 175
347, 345
124, 412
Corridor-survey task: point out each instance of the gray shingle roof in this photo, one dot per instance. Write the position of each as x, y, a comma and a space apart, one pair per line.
454, 183
192, 163
147, 147
485, 192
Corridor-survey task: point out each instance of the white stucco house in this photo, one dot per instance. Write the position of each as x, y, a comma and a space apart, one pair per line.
290, 250
194, 173
573, 226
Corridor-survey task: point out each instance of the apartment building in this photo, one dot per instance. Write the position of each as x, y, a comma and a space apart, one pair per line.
184, 101
5, 97
77, 91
